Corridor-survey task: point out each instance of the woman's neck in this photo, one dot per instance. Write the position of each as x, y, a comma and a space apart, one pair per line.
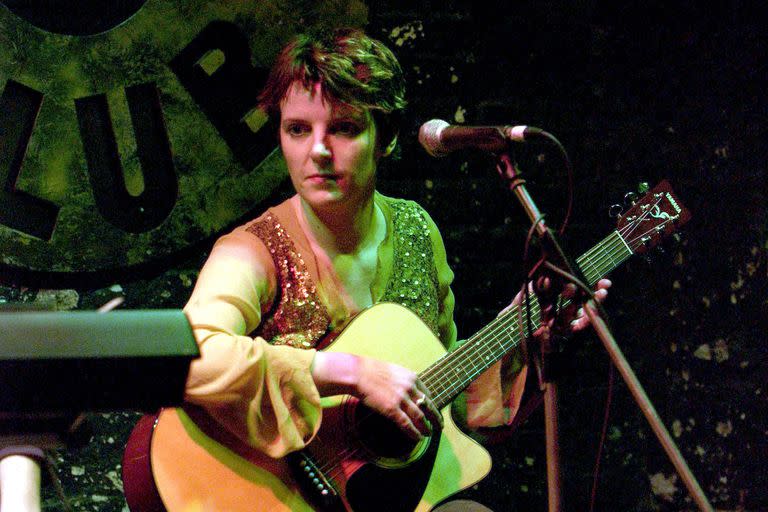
341, 230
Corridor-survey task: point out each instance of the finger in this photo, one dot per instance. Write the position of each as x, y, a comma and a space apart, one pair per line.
604, 283
414, 405
601, 294
577, 322
403, 420
416, 393
429, 407
416, 415
433, 413
569, 310
569, 291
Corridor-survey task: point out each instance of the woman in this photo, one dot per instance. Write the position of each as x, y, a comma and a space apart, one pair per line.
273, 288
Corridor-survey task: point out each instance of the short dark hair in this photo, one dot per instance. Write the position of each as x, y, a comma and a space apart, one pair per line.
352, 68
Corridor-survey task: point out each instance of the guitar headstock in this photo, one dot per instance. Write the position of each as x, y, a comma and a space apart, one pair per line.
652, 217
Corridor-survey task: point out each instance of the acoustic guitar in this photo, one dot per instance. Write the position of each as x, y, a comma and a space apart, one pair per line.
179, 460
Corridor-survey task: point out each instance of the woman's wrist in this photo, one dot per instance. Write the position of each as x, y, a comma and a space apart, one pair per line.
336, 373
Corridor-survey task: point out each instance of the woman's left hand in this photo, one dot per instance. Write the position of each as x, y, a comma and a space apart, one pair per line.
580, 321
571, 319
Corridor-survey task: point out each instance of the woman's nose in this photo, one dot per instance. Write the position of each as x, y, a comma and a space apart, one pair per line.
320, 150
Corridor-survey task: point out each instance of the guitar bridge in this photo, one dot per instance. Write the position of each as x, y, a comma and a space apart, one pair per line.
314, 483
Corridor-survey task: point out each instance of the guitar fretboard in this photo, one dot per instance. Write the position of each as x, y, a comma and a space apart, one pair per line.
452, 373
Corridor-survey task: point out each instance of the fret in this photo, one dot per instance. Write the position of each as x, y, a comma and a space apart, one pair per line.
618, 253
626, 245
447, 377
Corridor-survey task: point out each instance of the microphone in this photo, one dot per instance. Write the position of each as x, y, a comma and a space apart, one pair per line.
440, 138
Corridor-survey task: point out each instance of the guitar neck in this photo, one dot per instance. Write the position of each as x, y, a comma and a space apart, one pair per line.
451, 374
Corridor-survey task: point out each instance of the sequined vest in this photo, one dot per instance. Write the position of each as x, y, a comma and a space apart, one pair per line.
298, 317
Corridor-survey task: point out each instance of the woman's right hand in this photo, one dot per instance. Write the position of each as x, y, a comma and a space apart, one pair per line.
389, 389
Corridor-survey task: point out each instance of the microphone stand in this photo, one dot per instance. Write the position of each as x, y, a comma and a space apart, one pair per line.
516, 183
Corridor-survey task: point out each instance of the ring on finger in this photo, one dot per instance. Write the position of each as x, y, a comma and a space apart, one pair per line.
419, 401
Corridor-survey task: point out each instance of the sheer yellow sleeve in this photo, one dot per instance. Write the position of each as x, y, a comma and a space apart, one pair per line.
264, 394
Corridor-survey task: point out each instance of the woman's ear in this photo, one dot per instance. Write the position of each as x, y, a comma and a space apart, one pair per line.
390, 147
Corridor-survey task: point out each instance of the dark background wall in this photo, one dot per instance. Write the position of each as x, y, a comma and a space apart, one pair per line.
635, 91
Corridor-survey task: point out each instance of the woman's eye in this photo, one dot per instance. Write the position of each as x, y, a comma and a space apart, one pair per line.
296, 130
347, 128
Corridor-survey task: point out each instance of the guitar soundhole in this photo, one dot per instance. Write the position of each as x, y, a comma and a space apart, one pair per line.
382, 437
398, 468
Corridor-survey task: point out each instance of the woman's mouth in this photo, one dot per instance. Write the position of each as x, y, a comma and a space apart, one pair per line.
323, 177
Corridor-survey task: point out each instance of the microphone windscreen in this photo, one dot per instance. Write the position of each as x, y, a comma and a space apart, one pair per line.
429, 137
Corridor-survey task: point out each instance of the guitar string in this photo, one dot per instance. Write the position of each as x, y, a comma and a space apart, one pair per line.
486, 344
588, 259
482, 352
502, 325
637, 223
484, 333
332, 468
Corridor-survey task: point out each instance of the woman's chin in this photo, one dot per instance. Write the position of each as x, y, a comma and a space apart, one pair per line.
329, 198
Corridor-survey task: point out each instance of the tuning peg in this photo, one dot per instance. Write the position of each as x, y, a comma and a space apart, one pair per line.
615, 211
630, 198
643, 187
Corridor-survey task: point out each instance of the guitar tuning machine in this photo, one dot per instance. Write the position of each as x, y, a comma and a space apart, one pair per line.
643, 187
615, 211
630, 198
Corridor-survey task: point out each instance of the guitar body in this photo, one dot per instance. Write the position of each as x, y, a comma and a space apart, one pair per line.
195, 466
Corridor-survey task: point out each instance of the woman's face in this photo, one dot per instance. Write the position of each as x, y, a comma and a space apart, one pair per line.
330, 149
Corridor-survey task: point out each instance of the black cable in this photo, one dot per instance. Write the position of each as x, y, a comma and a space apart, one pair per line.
569, 169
